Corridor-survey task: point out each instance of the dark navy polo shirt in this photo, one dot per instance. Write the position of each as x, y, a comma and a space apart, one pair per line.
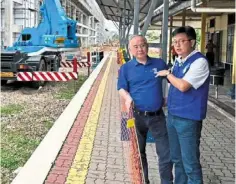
140, 81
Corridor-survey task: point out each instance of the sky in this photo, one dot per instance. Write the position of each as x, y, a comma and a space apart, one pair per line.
110, 25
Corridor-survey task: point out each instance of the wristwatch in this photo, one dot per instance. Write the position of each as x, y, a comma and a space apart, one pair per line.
168, 73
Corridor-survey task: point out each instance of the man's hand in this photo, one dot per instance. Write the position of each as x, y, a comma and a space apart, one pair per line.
128, 103
162, 73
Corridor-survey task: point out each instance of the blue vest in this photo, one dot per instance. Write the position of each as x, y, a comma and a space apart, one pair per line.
191, 104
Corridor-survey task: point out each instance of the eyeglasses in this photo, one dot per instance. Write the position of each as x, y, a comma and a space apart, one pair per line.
181, 42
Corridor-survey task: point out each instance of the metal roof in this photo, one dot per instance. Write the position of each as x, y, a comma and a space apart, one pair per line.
113, 9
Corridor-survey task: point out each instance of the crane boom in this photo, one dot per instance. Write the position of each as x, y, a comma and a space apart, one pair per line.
55, 30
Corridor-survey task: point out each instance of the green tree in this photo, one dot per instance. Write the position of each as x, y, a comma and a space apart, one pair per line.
198, 32
151, 36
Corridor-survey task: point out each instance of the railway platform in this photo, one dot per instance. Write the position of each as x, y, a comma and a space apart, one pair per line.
84, 145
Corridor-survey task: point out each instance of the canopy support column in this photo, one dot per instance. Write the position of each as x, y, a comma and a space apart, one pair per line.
136, 16
149, 16
165, 29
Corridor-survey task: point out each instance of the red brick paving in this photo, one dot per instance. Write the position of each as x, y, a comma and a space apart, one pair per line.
63, 162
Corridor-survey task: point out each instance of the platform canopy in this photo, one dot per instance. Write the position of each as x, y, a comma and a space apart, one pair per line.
113, 9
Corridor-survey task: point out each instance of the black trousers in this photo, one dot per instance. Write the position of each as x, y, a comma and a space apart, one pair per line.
157, 126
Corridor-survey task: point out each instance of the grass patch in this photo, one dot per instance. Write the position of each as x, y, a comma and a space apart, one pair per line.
11, 109
65, 94
48, 124
16, 149
18, 142
70, 88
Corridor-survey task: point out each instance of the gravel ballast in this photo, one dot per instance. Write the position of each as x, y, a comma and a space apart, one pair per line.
23, 129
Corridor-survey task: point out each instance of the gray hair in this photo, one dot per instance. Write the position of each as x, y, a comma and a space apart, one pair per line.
137, 35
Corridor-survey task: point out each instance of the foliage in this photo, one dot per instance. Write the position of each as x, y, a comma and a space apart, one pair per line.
115, 37
151, 36
198, 32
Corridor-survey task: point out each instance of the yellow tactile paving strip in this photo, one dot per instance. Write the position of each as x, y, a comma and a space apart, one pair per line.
79, 168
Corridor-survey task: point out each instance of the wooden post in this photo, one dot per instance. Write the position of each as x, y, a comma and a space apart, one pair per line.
203, 30
75, 70
89, 62
234, 60
75, 64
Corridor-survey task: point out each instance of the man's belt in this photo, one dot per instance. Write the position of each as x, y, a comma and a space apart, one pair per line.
148, 113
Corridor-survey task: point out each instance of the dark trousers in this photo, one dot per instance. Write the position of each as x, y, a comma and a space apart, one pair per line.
184, 137
210, 57
157, 126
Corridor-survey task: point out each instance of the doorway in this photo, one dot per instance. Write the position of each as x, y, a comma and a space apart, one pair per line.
217, 40
230, 44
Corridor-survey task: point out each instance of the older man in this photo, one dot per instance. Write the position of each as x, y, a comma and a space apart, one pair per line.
140, 89
187, 106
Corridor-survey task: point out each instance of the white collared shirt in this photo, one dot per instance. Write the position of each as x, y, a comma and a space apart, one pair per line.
198, 71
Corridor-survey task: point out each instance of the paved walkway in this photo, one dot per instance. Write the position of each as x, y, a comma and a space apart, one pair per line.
93, 152
218, 148
224, 99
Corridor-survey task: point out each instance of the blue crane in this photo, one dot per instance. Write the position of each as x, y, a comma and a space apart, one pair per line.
39, 48
55, 30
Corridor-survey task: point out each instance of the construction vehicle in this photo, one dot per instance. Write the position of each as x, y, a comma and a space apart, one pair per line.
39, 48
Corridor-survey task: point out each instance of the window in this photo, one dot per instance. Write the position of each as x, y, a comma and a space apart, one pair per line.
69, 32
212, 23
26, 37
231, 19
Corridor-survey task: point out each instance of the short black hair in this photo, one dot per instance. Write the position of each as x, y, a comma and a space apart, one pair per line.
188, 30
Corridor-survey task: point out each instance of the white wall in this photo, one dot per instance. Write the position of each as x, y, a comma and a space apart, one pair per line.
15, 15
